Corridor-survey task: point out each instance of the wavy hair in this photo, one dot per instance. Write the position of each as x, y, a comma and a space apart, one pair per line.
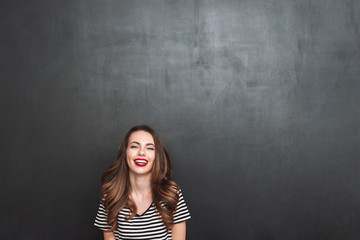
115, 183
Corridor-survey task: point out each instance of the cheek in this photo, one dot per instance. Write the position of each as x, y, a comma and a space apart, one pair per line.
153, 156
129, 152
128, 155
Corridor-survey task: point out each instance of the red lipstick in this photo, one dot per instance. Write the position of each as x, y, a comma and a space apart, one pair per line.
141, 162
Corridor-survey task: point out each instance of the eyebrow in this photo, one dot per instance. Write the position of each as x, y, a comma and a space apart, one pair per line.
145, 144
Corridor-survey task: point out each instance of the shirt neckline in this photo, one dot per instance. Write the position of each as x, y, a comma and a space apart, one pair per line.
144, 212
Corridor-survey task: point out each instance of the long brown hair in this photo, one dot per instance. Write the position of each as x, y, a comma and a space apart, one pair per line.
115, 183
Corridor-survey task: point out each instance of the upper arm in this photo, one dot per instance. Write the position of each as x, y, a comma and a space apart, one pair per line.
109, 235
179, 231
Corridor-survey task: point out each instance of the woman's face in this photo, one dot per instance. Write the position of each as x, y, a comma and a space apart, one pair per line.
140, 152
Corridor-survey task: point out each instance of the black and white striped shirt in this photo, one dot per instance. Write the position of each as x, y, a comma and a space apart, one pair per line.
149, 225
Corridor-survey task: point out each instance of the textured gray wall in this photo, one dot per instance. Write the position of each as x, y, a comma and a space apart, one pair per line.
257, 102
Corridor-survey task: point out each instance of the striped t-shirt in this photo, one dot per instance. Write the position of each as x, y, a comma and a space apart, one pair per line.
148, 225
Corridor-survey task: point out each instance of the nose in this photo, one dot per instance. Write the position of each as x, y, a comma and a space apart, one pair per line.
141, 152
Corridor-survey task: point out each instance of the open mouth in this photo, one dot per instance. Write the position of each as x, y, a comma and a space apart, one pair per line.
141, 162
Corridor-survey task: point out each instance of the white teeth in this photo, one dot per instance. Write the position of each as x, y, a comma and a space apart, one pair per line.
141, 161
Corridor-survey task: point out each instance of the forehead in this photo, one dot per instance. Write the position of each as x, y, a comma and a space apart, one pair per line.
141, 137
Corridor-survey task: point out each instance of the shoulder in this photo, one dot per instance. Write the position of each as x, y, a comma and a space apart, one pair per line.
182, 212
176, 187
176, 190
169, 186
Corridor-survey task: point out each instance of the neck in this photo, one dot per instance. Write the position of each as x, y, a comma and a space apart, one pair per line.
140, 184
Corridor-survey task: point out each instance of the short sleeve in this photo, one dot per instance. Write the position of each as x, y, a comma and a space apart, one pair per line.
182, 213
101, 218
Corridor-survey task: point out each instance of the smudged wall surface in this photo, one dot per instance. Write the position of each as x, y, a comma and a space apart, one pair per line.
256, 101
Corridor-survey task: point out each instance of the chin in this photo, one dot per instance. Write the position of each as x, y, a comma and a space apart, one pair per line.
141, 172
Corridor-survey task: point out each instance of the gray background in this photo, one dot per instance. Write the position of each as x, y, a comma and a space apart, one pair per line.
257, 102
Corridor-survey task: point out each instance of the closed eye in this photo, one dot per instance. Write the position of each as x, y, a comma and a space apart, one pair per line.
150, 149
133, 147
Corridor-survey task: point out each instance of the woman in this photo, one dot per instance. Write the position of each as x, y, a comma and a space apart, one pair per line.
138, 198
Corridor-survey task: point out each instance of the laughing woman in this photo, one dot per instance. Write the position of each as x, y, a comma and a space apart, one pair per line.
138, 198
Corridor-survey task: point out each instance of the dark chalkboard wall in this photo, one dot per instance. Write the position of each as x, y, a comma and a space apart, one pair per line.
257, 102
